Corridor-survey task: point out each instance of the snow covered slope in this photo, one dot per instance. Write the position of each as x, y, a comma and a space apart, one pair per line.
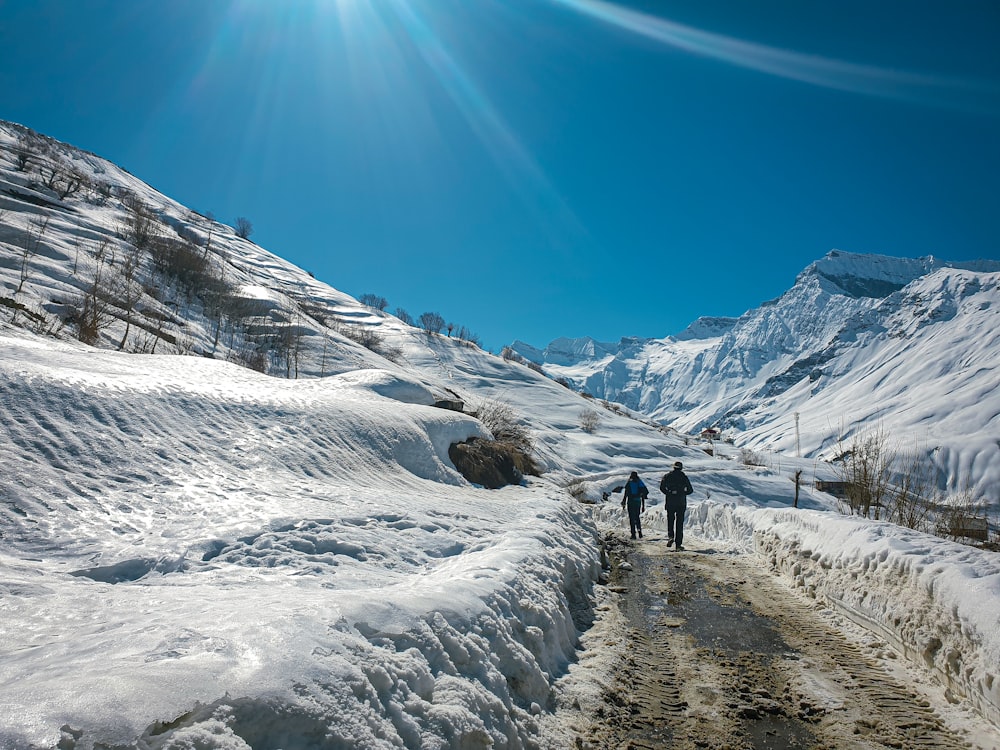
910, 345
195, 554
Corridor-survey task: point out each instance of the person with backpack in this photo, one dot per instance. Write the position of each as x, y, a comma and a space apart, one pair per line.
634, 496
676, 487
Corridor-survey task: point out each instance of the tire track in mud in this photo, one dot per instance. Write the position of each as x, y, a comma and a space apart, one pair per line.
722, 657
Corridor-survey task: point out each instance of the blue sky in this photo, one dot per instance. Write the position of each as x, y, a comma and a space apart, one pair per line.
539, 168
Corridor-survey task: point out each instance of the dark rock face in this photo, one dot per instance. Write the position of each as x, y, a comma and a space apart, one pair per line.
485, 463
451, 404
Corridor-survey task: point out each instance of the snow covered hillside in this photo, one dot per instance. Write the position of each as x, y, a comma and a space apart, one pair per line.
235, 559
229, 518
859, 342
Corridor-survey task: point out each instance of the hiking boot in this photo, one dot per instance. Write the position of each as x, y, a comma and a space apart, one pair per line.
640, 535
670, 540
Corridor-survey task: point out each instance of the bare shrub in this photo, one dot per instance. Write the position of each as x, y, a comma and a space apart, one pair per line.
404, 316
485, 462
510, 434
250, 357
577, 489
510, 355
590, 420
369, 338
184, 264
243, 227
464, 334
391, 353
749, 457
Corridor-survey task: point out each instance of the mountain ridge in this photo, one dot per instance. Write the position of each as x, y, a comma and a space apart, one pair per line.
846, 314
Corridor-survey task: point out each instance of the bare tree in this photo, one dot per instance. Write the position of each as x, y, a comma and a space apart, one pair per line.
24, 152
34, 230
431, 322
104, 190
404, 316
69, 182
243, 227
866, 472
139, 226
94, 315
909, 501
374, 301
288, 345
131, 290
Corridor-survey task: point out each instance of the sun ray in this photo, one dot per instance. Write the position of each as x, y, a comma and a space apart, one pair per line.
508, 153
957, 93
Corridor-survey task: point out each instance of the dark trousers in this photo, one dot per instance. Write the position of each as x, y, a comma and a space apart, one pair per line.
675, 520
634, 508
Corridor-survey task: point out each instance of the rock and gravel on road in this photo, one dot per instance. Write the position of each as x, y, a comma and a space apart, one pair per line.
717, 654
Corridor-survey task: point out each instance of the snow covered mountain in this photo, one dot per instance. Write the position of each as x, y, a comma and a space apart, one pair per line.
910, 345
230, 519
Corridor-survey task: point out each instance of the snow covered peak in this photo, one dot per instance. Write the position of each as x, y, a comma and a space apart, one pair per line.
876, 276
707, 327
870, 276
566, 351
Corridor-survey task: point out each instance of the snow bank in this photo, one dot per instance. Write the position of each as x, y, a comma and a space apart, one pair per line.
938, 602
196, 555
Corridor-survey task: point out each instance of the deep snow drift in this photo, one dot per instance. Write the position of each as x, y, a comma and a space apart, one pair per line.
283, 559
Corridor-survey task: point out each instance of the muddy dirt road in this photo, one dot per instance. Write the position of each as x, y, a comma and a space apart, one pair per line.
721, 656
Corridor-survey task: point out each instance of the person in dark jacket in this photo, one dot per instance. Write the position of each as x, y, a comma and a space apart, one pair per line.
635, 495
675, 487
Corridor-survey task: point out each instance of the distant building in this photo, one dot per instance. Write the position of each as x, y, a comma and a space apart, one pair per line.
969, 527
835, 488
711, 433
